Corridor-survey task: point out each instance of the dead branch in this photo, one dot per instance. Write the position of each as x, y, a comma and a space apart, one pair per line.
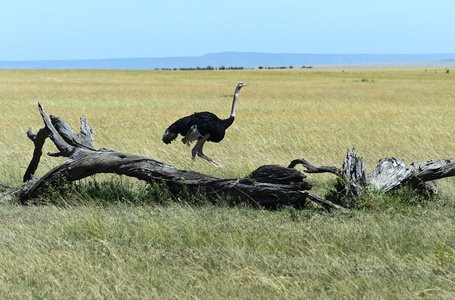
310, 168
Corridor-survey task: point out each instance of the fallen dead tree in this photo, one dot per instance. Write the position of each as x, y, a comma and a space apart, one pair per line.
390, 174
268, 186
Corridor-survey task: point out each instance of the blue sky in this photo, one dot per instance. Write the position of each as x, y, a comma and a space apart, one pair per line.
94, 29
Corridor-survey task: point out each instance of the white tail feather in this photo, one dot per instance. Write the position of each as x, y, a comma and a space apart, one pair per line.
191, 136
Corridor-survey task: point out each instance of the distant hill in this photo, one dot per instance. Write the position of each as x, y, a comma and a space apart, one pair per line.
441, 63
241, 59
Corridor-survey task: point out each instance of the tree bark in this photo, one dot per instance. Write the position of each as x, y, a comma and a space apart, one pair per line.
391, 173
354, 173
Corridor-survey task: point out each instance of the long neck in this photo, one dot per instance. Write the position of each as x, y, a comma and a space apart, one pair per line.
234, 102
228, 122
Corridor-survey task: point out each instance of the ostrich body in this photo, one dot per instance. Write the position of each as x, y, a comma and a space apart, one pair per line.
202, 127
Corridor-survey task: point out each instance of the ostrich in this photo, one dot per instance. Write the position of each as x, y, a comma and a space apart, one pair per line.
202, 126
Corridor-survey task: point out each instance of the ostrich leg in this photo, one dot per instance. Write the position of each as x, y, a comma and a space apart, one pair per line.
197, 150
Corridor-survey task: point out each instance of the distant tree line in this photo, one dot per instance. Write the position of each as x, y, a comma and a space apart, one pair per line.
199, 68
284, 67
228, 68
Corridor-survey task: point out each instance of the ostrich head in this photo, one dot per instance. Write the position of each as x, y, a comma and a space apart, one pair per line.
240, 85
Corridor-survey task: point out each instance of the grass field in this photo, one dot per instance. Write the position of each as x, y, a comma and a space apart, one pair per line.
177, 250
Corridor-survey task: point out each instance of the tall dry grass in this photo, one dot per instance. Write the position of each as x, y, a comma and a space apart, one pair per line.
180, 251
281, 115
177, 252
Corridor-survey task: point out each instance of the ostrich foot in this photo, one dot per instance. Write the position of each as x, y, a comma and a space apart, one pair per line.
202, 155
218, 165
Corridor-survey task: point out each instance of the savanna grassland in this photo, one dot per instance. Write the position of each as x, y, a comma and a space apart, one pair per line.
91, 250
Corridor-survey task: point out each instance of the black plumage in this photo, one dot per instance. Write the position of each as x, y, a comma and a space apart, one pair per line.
205, 123
202, 127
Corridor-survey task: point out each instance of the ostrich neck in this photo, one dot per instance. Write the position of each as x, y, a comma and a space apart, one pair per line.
234, 103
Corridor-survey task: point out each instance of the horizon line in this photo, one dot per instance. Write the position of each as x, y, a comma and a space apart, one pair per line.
223, 52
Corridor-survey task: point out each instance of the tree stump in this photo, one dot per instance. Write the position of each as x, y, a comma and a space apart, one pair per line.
389, 174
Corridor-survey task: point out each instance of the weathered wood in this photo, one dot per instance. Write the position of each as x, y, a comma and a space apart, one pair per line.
85, 138
391, 173
277, 174
310, 168
57, 128
268, 186
323, 202
65, 149
89, 162
353, 171
37, 139
434, 169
